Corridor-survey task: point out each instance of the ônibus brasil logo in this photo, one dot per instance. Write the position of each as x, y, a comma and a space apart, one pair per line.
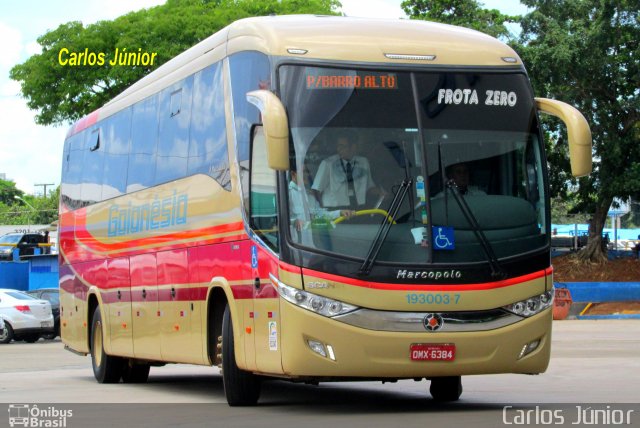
30, 415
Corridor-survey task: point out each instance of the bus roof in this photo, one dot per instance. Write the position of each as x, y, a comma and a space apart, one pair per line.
329, 38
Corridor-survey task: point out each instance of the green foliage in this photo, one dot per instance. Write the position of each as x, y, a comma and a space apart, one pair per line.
587, 53
465, 13
632, 220
8, 192
563, 211
40, 209
62, 94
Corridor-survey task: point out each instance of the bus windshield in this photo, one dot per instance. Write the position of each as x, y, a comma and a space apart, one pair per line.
465, 145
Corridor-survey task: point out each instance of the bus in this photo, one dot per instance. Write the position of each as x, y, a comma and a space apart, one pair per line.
201, 219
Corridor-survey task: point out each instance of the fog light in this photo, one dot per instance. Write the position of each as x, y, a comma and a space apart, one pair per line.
332, 354
529, 348
317, 347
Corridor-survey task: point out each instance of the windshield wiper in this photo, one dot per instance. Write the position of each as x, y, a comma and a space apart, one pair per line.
496, 270
385, 226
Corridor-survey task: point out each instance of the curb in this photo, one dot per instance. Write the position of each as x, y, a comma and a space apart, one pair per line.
599, 292
583, 293
610, 317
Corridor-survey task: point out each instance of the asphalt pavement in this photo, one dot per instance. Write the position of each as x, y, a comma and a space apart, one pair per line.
595, 365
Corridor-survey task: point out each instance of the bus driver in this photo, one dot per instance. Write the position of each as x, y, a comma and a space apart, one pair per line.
459, 173
304, 207
343, 179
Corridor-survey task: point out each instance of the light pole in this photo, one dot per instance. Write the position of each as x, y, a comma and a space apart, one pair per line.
30, 206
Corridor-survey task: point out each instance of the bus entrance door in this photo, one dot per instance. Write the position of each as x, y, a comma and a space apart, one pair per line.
267, 314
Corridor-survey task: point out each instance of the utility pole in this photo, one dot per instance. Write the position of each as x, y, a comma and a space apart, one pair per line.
45, 187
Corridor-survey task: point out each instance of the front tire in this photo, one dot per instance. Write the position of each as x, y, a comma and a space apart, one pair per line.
448, 388
106, 368
241, 388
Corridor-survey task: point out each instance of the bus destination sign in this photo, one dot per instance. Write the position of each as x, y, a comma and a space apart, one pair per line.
352, 81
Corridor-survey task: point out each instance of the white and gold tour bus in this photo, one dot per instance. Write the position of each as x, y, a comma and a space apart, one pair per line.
207, 216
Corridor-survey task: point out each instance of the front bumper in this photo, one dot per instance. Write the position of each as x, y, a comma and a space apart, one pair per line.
366, 353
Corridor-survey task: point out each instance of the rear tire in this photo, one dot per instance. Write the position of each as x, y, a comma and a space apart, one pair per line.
241, 388
448, 388
133, 372
106, 368
8, 334
53, 334
49, 336
31, 338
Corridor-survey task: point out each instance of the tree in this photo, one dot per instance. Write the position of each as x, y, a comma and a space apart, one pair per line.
31, 209
8, 192
62, 94
587, 53
465, 13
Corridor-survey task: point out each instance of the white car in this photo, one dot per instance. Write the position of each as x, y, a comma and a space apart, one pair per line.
25, 318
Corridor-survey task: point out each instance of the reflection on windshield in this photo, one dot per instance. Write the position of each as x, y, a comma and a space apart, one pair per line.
355, 146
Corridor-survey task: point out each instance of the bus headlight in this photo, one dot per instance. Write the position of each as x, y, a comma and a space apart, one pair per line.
312, 302
532, 305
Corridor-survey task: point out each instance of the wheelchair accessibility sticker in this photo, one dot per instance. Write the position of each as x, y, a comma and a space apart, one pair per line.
443, 238
254, 257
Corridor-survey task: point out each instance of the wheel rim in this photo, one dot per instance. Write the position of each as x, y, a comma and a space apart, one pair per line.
97, 344
4, 334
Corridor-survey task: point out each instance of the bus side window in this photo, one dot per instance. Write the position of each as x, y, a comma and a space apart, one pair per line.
262, 206
208, 134
117, 145
174, 119
144, 144
92, 166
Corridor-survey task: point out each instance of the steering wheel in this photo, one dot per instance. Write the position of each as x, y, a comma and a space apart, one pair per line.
378, 211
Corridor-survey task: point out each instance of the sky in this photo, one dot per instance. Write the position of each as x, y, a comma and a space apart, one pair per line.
31, 154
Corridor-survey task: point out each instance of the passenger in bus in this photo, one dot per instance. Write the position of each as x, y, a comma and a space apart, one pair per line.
344, 179
303, 206
459, 173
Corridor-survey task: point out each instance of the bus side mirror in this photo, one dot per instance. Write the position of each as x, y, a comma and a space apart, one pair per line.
577, 130
275, 127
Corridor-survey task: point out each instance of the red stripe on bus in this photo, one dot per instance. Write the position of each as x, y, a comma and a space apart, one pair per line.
241, 292
289, 268
75, 254
181, 295
427, 287
86, 238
